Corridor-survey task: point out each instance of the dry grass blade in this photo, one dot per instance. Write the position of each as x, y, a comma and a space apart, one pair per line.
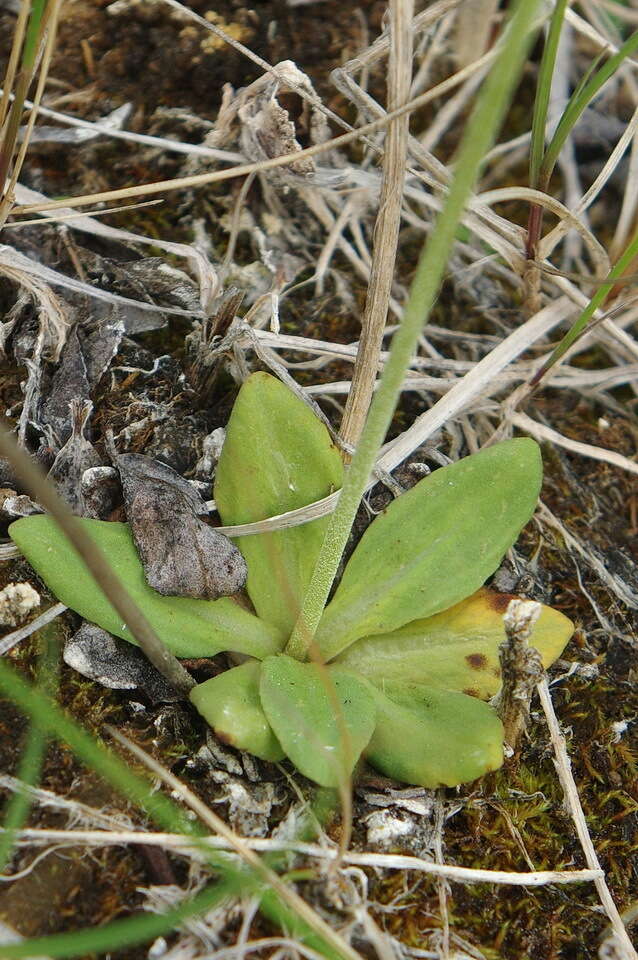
217, 176
161, 143
9, 641
117, 836
52, 15
473, 384
472, 27
14, 59
545, 434
206, 273
387, 226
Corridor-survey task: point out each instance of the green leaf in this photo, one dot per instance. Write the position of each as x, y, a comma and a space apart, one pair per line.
456, 649
277, 457
434, 737
188, 627
323, 717
435, 544
230, 703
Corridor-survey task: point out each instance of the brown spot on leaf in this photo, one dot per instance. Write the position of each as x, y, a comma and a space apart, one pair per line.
471, 692
498, 601
477, 661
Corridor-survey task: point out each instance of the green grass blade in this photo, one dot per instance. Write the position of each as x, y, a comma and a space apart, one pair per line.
543, 91
20, 803
479, 135
32, 757
579, 100
33, 34
580, 325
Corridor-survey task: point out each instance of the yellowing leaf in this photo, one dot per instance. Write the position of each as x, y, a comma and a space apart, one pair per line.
277, 457
456, 649
435, 544
232, 706
433, 737
188, 627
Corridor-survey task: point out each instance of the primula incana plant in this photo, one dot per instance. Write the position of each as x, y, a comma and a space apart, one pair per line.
409, 640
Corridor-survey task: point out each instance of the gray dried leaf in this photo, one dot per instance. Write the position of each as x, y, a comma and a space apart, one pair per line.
115, 663
149, 280
165, 283
100, 339
211, 451
181, 555
69, 382
76, 456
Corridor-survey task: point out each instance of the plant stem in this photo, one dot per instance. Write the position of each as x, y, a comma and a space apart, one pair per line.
479, 135
537, 149
543, 92
14, 57
47, 23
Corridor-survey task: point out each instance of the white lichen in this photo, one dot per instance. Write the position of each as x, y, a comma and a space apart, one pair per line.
17, 600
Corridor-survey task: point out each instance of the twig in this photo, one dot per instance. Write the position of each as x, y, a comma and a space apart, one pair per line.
544, 433
473, 24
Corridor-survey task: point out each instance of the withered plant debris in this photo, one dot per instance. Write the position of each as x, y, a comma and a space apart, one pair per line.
114, 663
275, 120
521, 669
149, 279
182, 556
201, 345
76, 456
47, 135
100, 338
14, 505
68, 382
